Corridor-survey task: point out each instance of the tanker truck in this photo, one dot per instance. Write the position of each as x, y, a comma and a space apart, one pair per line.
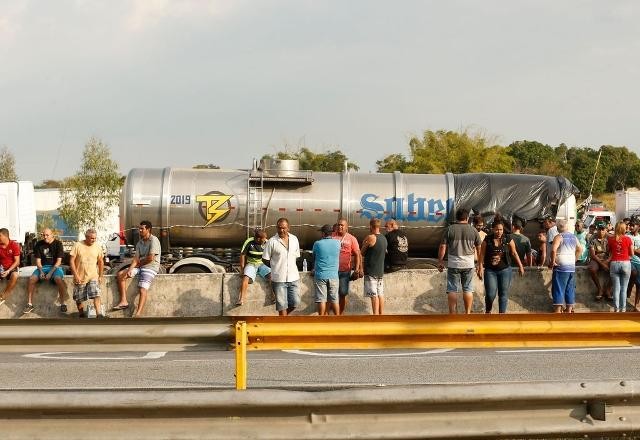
201, 215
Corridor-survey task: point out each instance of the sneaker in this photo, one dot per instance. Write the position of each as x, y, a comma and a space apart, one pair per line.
101, 317
28, 309
63, 308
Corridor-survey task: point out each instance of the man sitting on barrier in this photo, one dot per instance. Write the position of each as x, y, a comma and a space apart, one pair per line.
48, 252
9, 263
599, 252
251, 263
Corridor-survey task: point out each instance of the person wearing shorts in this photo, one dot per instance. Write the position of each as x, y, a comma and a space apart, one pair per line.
350, 265
326, 255
145, 265
48, 252
251, 263
461, 242
565, 250
87, 266
9, 263
373, 250
280, 254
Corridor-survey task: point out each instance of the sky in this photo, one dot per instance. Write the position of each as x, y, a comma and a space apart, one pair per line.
186, 82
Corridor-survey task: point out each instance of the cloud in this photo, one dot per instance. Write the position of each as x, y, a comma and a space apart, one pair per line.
144, 14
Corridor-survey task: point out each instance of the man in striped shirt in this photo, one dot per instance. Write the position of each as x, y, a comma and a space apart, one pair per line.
251, 263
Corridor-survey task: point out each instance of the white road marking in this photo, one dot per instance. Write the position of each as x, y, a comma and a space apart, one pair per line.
554, 350
356, 355
57, 355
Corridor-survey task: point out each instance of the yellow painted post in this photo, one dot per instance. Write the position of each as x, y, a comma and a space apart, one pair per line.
241, 355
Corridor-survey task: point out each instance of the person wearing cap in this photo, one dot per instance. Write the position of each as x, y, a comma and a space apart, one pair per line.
251, 264
326, 257
523, 244
581, 236
549, 225
599, 254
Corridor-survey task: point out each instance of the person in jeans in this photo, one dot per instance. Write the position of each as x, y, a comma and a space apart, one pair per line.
621, 248
565, 250
494, 259
326, 255
280, 254
461, 242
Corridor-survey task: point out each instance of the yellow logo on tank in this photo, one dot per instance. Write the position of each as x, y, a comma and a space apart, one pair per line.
214, 206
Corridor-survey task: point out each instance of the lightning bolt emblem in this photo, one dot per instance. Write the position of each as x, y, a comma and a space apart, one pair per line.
212, 203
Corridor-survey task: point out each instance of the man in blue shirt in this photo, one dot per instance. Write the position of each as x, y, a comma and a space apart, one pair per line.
326, 253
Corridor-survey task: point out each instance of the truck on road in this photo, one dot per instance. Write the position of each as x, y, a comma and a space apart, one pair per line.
202, 216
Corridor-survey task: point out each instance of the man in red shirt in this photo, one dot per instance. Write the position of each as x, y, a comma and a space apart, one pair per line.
9, 263
350, 258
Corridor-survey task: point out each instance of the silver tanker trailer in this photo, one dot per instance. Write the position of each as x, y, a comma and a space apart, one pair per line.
198, 213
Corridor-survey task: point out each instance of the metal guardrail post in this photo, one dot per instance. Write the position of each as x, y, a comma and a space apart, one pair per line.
241, 355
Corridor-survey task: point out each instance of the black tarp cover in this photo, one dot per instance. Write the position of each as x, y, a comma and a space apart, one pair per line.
523, 196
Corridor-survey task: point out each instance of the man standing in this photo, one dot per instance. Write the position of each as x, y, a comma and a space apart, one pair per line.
397, 248
48, 252
9, 263
350, 258
565, 250
374, 247
462, 242
251, 263
581, 236
599, 254
523, 244
145, 265
87, 266
326, 253
549, 225
280, 254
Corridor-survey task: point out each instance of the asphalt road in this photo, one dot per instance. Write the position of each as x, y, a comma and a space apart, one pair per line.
164, 366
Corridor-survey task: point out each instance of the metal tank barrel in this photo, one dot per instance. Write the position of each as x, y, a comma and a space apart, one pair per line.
220, 208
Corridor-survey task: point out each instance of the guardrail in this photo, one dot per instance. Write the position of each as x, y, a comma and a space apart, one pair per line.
431, 331
484, 411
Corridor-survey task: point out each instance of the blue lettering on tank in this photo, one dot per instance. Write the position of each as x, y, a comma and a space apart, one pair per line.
415, 209
371, 209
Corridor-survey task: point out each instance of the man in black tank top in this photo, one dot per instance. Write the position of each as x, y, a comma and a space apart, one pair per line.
373, 249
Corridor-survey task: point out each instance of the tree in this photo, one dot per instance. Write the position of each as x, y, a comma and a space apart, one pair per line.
87, 196
207, 166
49, 183
449, 151
582, 163
530, 156
7, 166
309, 160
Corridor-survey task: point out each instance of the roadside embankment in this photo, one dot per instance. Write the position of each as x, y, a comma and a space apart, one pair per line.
406, 292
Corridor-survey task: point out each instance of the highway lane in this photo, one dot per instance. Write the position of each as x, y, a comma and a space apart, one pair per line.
161, 366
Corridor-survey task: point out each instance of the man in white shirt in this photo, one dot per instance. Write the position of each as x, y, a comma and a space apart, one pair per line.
280, 254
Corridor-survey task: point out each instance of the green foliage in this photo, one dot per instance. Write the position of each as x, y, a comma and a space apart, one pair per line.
449, 151
208, 166
7, 166
49, 183
87, 196
309, 160
45, 221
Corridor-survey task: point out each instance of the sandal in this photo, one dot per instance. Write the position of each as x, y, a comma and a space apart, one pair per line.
116, 308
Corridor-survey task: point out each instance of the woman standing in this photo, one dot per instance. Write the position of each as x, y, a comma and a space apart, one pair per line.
621, 249
495, 253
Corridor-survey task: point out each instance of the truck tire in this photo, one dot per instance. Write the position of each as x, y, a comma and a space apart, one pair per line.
191, 268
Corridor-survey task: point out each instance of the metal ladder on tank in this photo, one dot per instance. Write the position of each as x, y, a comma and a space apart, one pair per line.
255, 190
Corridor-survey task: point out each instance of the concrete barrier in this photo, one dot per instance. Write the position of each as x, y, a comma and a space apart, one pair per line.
407, 292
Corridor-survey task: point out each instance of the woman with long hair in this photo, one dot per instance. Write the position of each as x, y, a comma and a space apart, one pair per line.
621, 250
494, 265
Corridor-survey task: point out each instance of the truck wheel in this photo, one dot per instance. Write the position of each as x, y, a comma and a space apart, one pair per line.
191, 269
